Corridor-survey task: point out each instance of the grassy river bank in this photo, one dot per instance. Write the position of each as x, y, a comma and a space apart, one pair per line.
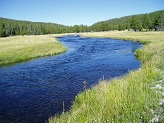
22, 48
135, 97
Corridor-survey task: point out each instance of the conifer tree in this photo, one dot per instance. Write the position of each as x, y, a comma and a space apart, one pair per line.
147, 23
2, 30
136, 24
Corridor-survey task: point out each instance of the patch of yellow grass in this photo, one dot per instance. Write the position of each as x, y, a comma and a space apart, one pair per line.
21, 48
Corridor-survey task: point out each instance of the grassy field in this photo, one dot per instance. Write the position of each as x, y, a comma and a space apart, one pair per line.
132, 98
21, 48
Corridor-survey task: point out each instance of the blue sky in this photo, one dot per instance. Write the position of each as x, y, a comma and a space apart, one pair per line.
72, 12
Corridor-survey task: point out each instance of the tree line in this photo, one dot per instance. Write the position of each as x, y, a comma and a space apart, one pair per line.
151, 21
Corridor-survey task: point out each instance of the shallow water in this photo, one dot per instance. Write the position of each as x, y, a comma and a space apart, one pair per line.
35, 90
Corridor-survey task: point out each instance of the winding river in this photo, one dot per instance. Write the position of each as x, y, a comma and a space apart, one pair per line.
35, 90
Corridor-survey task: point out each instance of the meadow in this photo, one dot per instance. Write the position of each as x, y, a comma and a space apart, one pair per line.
22, 48
135, 97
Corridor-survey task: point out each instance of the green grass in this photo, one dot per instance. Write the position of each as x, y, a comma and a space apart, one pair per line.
130, 98
22, 48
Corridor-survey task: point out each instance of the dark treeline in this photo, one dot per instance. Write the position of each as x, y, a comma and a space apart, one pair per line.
151, 21
10, 27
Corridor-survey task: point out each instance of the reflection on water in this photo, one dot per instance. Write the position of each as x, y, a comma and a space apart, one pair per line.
35, 90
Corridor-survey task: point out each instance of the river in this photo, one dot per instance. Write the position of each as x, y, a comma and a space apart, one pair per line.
32, 91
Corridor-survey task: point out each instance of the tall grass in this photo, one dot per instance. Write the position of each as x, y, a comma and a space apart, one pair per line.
129, 98
21, 48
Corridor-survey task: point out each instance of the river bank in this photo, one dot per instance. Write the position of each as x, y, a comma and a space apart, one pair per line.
131, 98
22, 48
35, 90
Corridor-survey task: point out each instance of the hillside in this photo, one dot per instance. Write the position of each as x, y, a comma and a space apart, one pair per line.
10, 27
150, 21
147, 21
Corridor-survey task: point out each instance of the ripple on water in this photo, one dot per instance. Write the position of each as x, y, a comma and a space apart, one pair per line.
35, 90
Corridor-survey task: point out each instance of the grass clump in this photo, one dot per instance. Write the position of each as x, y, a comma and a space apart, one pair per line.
21, 48
126, 99
130, 98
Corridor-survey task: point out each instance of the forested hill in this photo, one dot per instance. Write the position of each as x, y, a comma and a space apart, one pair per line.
150, 21
154, 20
15, 27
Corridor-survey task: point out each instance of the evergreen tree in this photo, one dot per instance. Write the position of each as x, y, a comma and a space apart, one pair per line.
159, 22
76, 28
136, 24
2, 30
120, 27
128, 26
147, 23
133, 23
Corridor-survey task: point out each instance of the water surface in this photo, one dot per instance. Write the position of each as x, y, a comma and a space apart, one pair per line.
35, 90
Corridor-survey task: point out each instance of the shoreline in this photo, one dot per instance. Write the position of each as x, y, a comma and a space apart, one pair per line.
123, 99
17, 49
129, 95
